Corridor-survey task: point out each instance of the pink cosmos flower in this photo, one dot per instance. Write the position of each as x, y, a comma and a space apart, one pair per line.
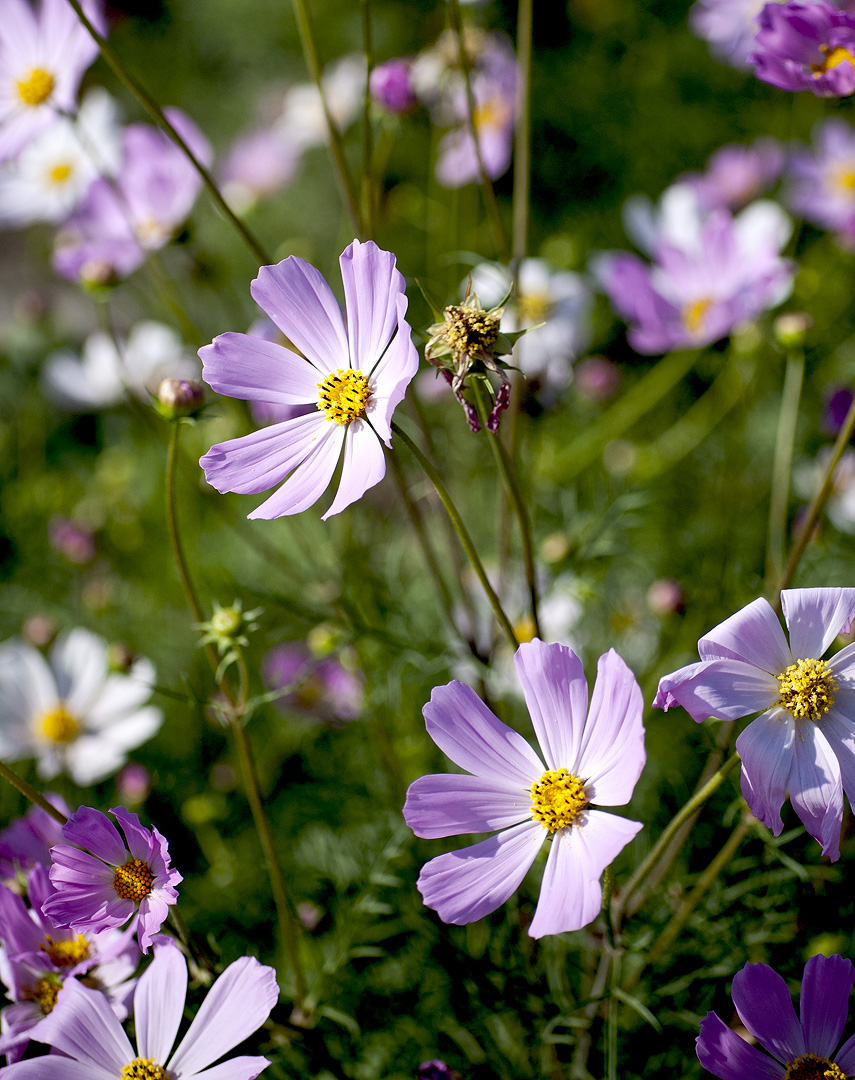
93, 1046
354, 375
593, 760
803, 742
112, 880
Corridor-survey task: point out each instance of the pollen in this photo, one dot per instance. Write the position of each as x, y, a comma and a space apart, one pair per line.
807, 689
343, 395
534, 307
144, 1069
58, 725
695, 313
60, 172
37, 88
834, 55
469, 330
44, 993
813, 1067
66, 953
133, 881
558, 797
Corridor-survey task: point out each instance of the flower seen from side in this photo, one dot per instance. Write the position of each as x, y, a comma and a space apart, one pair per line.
353, 376
804, 1047
806, 46
590, 761
821, 186
321, 687
803, 742
103, 880
736, 175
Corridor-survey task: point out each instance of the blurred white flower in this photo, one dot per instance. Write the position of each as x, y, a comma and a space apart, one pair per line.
302, 122
840, 508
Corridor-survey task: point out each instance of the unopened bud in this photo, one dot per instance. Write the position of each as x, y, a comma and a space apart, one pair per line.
227, 621
120, 659
179, 397
790, 329
39, 630
133, 783
391, 86
665, 597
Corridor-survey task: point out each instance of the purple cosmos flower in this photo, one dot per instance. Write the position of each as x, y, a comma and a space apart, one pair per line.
83, 1028
588, 761
806, 46
836, 403
27, 841
356, 376
112, 879
42, 59
822, 180
271, 412
802, 1047
736, 175
729, 26
391, 86
804, 740
259, 163
494, 119
323, 687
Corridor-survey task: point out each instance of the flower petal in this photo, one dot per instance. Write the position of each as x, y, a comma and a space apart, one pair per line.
79, 661
56, 1067
767, 750
363, 466
724, 688
236, 1068
297, 298
463, 886
308, 481
815, 617
815, 788
765, 1007
237, 1004
159, 1001
839, 730
466, 731
753, 634
372, 286
612, 751
392, 375
724, 1054
243, 366
824, 1003
556, 695
83, 1026
448, 804
92, 830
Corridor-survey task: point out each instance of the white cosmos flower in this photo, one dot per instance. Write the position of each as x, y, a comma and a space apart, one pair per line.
303, 122
71, 712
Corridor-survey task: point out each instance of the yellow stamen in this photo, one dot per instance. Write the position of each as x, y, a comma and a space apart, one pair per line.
834, 55
37, 88
44, 992
60, 173
807, 689
58, 725
66, 953
470, 330
343, 395
695, 313
843, 179
144, 1069
133, 881
813, 1067
558, 797
534, 307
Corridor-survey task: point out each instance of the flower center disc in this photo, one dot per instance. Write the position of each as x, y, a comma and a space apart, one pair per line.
834, 55
66, 953
144, 1069
695, 313
807, 689
60, 173
558, 797
37, 88
58, 725
534, 307
133, 881
470, 330
813, 1067
343, 395
44, 993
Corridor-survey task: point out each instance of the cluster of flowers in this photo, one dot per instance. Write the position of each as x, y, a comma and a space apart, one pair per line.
115, 193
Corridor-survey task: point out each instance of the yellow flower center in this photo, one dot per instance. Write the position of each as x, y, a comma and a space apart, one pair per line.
834, 55
66, 953
807, 689
695, 313
60, 172
470, 330
843, 179
45, 991
133, 881
37, 88
58, 725
813, 1067
144, 1069
534, 307
558, 797
524, 629
343, 395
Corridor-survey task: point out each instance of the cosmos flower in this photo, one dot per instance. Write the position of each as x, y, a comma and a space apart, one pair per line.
494, 119
355, 376
105, 880
802, 1047
82, 1027
258, 164
822, 179
736, 175
73, 714
593, 760
802, 742
322, 686
43, 54
392, 86
806, 46
302, 122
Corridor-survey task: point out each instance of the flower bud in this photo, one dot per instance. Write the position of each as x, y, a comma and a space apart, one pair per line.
665, 597
790, 329
179, 397
391, 87
133, 783
227, 621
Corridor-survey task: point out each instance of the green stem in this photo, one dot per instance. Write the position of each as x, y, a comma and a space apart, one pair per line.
310, 52
160, 118
367, 128
613, 1017
460, 528
784, 442
522, 135
30, 793
819, 500
506, 471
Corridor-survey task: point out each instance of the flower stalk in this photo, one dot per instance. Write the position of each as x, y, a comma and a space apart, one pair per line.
782, 466
29, 792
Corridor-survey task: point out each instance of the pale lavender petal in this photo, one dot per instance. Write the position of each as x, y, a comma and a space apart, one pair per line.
815, 617
236, 1068
153, 913
724, 1054
55, 1067
236, 1005
244, 366
612, 751
363, 466
463, 886
766, 748
392, 376
466, 731
724, 688
753, 634
141, 843
765, 1007
843, 666
83, 1026
571, 895
556, 695
159, 1001
452, 804
815, 788
372, 286
296, 297
824, 1003
839, 730
92, 830
309, 480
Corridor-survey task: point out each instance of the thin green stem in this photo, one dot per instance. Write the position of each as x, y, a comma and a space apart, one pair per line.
157, 114
310, 52
30, 793
613, 1026
367, 127
522, 135
463, 534
506, 471
784, 442
819, 500
491, 203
